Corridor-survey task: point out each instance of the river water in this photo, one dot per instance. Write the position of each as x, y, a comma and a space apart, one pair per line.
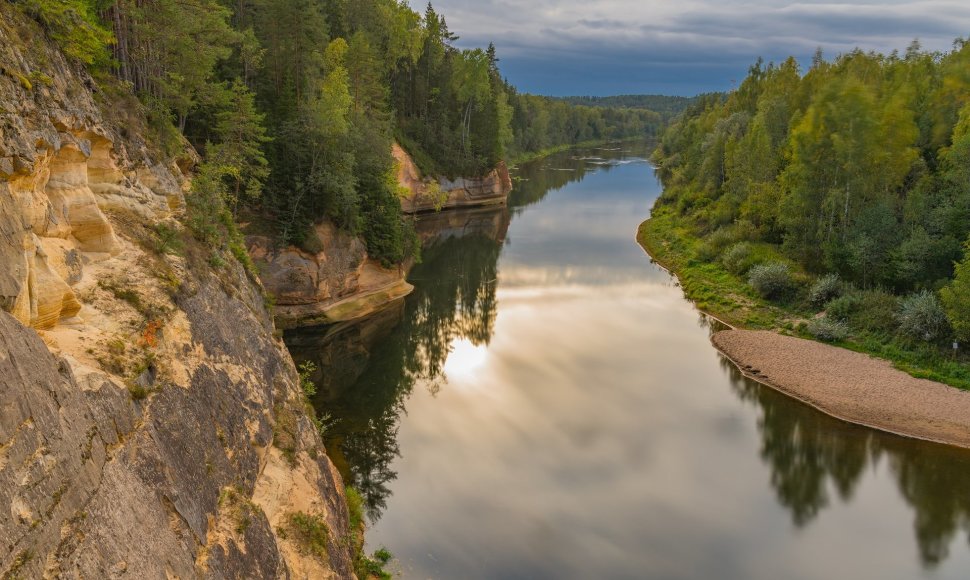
548, 405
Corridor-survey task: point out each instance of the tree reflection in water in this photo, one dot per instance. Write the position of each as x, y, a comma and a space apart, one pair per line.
809, 452
367, 371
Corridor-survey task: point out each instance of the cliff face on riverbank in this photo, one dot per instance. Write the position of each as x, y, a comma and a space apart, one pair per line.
429, 194
340, 282
150, 425
336, 284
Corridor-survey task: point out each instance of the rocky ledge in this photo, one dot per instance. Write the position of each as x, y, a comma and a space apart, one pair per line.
336, 284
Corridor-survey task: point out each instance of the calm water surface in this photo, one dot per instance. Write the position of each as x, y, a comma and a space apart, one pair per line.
547, 405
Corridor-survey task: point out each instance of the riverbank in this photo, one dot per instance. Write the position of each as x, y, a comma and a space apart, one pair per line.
843, 381
728, 297
851, 386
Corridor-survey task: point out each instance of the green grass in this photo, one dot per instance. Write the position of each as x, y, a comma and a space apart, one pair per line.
728, 297
708, 285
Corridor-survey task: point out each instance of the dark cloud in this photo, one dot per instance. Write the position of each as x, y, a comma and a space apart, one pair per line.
684, 46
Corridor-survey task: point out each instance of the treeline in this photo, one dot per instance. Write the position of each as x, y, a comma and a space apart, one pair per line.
667, 106
858, 168
542, 123
295, 103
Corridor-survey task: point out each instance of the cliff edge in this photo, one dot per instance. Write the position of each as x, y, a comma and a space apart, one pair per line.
150, 424
428, 194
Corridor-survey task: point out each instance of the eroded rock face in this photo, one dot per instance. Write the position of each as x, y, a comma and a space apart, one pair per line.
150, 424
336, 284
60, 170
431, 195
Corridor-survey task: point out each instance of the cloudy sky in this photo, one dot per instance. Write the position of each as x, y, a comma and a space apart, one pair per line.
683, 47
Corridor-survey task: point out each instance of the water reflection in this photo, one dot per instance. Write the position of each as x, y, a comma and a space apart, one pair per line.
561, 413
534, 181
367, 371
812, 455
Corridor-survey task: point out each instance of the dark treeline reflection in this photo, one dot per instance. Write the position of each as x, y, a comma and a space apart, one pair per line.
366, 371
537, 179
813, 457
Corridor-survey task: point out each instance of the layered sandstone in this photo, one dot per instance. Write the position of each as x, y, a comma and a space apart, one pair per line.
428, 194
150, 424
336, 284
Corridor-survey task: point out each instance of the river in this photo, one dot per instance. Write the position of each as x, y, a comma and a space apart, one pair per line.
546, 404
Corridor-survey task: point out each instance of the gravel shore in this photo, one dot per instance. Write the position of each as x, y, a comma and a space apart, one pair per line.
851, 386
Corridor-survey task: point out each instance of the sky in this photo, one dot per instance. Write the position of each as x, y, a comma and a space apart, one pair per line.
683, 47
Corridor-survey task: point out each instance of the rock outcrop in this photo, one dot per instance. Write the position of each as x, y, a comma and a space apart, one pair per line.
428, 194
151, 426
336, 284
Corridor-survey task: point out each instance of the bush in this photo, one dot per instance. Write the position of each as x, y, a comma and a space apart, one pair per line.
827, 329
825, 289
312, 533
771, 280
735, 258
843, 307
706, 252
721, 238
877, 312
921, 316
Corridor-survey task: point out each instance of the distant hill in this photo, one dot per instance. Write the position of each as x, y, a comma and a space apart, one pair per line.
667, 106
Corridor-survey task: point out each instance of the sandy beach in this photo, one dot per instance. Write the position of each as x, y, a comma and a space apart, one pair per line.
851, 386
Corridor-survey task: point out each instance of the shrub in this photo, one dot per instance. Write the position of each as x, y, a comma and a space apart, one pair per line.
827, 329
843, 307
721, 238
735, 258
825, 289
307, 368
312, 532
877, 312
706, 252
771, 280
921, 316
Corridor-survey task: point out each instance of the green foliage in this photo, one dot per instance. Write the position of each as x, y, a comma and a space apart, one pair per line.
167, 239
355, 508
921, 317
306, 370
859, 168
828, 329
74, 26
843, 307
373, 566
825, 289
736, 257
237, 151
771, 280
364, 566
876, 312
956, 299
870, 315
312, 533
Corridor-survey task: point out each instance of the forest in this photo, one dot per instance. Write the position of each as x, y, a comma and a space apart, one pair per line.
850, 182
666, 106
294, 104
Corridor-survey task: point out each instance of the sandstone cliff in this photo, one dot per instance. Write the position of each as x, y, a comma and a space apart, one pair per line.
341, 283
427, 194
336, 284
150, 424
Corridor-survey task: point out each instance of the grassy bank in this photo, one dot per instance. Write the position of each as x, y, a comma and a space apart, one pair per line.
728, 296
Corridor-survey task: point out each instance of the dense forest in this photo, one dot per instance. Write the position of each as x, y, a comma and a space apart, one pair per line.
294, 104
855, 174
667, 106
